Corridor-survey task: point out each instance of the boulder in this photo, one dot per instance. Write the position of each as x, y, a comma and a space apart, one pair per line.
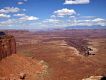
94, 78
22, 76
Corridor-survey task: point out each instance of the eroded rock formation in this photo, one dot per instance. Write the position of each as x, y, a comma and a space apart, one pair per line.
7, 45
95, 78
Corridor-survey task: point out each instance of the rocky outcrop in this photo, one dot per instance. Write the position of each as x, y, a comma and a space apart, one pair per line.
95, 78
23, 68
7, 45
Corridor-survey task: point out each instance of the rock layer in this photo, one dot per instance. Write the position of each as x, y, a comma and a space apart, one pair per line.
7, 46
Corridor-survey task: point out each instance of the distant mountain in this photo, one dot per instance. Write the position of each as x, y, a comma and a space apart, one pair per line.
85, 27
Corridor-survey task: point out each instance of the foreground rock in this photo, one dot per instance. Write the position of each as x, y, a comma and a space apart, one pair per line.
95, 78
7, 45
18, 67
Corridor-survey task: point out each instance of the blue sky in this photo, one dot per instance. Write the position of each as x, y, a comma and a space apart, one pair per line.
42, 14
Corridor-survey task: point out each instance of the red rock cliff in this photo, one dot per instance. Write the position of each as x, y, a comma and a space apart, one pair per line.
7, 46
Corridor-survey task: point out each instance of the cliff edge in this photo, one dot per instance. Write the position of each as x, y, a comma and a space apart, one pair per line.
17, 67
7, 45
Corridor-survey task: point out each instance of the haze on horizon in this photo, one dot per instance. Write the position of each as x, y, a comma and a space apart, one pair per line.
47, 14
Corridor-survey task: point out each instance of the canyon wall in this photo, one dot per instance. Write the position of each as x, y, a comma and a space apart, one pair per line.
7, 46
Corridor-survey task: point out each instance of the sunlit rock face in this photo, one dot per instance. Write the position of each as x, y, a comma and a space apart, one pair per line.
95, 78
7, 45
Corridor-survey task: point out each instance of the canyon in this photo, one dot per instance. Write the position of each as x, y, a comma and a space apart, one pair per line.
56, 55
17, 67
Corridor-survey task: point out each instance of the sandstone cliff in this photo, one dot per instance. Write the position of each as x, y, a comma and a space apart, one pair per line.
17, 67
7, 45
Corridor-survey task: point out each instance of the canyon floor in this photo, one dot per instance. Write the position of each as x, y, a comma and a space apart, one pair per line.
63, 52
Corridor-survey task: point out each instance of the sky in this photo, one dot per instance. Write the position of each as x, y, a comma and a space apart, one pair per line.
45, 14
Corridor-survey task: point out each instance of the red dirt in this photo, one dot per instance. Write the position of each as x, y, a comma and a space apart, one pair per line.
63, 63
14, 65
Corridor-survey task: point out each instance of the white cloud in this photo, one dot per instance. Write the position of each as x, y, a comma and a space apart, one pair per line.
53, 16
10, 10
18, 21
51, 21
73, 21
64, 12
20, 3
98, 19
77, 1
25, 17
28, 18
93, 22
8, 22
4, 16
19, 15
69, 17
